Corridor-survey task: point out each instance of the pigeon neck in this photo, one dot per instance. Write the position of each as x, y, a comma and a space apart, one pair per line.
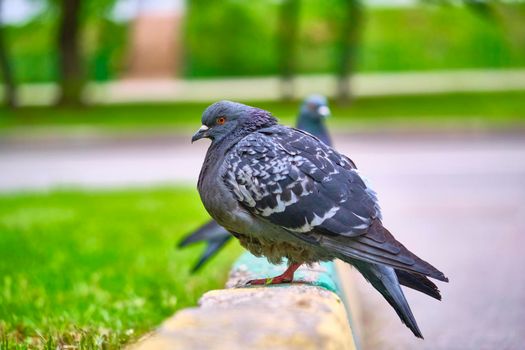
225, 143
258, 120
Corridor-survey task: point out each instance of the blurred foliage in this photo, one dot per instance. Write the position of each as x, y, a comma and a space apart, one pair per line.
34, 52
231, 38
94, 270
423, 37
238, 38
441, 37
480, 110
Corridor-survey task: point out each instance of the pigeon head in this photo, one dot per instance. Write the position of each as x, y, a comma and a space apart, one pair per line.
226, 118
315, 108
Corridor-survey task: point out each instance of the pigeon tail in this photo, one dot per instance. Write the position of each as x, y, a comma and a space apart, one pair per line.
378, 246
214, 245
384, 280
419, 266
419, 283
208, 231
215, 237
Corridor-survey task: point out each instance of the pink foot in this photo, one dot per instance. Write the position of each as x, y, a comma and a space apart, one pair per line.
286, 277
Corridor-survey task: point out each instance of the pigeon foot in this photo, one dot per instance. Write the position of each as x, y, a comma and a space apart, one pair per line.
285, 277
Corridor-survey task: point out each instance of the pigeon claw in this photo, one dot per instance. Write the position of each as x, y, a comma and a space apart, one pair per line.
270, 280
286, 277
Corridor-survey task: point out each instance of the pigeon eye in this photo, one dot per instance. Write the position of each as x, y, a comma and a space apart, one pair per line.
221, 120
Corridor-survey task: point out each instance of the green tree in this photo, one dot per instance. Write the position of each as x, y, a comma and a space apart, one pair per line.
72, 14
348, 43
72, 78
6, 69
287, 45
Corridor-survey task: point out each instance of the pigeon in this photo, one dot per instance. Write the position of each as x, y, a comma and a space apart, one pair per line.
284, 194
311, 118
314, 110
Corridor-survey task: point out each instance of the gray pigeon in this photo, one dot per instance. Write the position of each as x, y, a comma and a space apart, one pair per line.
314, 110
286, 195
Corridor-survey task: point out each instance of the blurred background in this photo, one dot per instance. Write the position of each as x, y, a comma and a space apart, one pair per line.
97, 175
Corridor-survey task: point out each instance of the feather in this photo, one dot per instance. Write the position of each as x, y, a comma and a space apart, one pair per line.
207, 231
384, 280
215, 237
399, 258
419, 283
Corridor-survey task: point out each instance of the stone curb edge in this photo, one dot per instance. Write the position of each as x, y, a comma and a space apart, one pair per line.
321, 313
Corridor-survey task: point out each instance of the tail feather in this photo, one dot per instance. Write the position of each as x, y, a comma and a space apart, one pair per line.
419, 283
378, 246
384, 280
213, 247
215, 237
206, 232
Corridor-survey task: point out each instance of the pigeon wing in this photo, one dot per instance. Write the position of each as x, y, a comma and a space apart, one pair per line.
289, 178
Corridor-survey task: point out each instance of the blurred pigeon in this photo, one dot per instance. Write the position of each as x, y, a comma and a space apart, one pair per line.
311, 118
285, 194
314, 110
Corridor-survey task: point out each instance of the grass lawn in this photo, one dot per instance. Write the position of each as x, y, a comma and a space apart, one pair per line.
97, 269
496, 109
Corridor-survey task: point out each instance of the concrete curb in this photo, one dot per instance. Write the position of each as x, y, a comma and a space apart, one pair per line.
309, 315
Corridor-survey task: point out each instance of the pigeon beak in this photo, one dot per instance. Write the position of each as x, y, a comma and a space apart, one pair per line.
201, 133
324, 111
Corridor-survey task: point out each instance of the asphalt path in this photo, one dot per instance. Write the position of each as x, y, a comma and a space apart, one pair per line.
457, 201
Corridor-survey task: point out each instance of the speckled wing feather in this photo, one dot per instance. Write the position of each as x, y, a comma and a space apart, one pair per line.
289, 178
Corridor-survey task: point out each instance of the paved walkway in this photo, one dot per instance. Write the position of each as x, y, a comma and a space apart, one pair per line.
457, 201
267, 88
459, 204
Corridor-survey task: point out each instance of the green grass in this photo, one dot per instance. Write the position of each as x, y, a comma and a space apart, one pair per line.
485, 110
97, 269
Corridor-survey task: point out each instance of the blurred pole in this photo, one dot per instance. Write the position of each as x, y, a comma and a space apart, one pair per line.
6, 68
287, 46
348, 43
70, 67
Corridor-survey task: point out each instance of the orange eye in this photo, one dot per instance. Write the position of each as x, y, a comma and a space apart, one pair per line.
221, 120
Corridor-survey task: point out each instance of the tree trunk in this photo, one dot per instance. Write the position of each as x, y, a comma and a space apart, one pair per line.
288, 35
349, 40
70, 67
6, 69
